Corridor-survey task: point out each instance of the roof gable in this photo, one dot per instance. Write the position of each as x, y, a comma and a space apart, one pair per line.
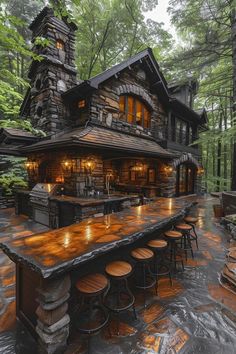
145, 57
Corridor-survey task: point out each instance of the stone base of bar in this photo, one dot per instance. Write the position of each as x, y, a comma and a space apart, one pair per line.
53, 320
228, 274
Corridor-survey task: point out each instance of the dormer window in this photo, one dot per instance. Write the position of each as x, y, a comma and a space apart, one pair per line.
134, 111
60, 44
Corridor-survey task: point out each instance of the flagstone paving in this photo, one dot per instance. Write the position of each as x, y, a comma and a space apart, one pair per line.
195, 315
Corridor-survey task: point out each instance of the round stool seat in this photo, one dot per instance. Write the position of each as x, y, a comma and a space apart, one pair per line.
142, 254
92, 284
172, 234
118, 269
184, 227
190, 219
158, 244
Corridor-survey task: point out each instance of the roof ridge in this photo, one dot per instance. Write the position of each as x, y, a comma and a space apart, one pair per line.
83, 133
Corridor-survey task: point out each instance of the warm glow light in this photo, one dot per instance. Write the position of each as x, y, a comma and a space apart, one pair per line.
137, 167
68, 164
59, 179
170, 204
139, 210
81, 104
88, 233
66, 242
89, 164
60, 44
168, 169
108, 221
31, 165
200, 171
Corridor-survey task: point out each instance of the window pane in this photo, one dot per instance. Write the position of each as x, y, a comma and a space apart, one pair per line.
178, 131
147, 118
190, 139
122, 107
139, 107
130, 117
184, 133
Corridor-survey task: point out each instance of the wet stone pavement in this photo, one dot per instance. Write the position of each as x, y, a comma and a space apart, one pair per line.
195, 315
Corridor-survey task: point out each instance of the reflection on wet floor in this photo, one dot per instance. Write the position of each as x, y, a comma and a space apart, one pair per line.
196, 315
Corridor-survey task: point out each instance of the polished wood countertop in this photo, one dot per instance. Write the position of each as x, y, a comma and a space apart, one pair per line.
56, 252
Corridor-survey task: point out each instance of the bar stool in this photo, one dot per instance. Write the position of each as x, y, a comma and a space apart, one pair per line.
160, 265
185, 230
173, 237
119, 297
191, 220
91, 315
143, 257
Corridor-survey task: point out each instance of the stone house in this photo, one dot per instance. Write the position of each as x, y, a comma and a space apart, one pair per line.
125, 127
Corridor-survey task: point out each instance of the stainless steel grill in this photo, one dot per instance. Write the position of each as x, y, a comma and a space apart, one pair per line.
39, 199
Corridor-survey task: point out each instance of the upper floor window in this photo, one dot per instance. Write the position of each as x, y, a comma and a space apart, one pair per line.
183, 132
81, 104
60, 44
134, 111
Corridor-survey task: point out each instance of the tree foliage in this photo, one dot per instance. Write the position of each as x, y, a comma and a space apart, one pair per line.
205, 52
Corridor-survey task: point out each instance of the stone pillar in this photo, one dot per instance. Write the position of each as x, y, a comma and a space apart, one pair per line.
167, 180
53, 320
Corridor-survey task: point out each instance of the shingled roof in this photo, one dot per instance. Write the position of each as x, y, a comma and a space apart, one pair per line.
103, 138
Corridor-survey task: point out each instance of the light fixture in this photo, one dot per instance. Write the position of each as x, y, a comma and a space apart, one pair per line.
200, 171
68, 165
138, 167
31, 165
89, 164
168, 169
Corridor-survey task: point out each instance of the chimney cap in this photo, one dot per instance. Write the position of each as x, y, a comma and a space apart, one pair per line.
48, 11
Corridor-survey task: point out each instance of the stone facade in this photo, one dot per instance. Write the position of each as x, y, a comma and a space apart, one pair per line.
53, 75
52, 317
104, 104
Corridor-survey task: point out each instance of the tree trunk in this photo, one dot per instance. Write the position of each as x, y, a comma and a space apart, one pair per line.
219, 155
233, 33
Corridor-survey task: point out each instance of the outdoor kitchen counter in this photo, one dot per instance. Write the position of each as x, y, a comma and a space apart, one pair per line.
49, 264
57, 251
92, 201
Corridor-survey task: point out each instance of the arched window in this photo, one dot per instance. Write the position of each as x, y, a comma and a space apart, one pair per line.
134, 111
60, 44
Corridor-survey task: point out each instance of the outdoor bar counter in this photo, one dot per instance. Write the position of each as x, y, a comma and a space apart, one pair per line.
48, 264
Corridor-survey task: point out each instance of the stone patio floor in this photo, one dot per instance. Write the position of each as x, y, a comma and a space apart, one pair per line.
196, 315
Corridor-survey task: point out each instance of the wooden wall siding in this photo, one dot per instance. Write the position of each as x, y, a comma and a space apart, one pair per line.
104, 107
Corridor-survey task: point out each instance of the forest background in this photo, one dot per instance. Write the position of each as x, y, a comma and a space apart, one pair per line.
110, 31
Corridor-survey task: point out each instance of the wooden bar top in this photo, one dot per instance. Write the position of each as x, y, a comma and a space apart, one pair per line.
56, 252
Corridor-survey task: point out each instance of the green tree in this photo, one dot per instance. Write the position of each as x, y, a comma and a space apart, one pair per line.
110, 31
206, 53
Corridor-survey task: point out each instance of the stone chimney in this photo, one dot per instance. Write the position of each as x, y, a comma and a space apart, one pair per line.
54, 74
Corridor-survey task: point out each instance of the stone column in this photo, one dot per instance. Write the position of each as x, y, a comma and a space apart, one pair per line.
167, 180
53, 319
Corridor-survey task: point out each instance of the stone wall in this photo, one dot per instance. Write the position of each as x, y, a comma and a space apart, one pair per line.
104, 105
7, 202
53, 75
76, 177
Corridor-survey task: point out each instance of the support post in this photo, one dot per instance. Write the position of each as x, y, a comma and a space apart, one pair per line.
53, 320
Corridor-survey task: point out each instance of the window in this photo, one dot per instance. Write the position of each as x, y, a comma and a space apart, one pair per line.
81, 104
60, 44
182, 133
190, 135
134, 111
